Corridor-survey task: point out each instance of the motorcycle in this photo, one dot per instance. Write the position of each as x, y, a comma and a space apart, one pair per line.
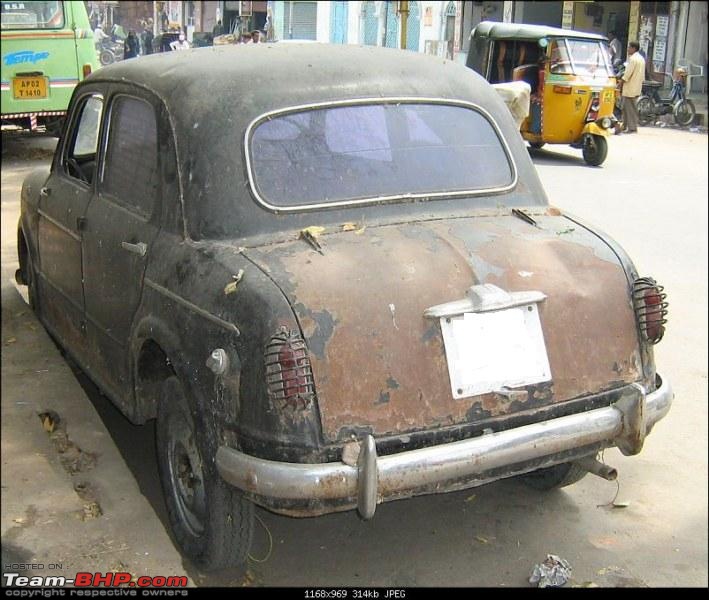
109, 52
651, 105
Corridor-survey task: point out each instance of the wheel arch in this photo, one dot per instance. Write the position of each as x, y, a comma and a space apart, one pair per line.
155, 352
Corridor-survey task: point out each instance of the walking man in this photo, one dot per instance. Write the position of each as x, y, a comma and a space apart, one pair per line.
632, 85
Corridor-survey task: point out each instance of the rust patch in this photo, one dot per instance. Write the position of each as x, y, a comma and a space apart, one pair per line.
587, 318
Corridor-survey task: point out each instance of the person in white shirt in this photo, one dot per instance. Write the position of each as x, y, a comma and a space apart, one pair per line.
99, 36
616, 49
180, 44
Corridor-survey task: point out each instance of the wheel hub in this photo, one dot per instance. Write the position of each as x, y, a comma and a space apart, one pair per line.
187, 477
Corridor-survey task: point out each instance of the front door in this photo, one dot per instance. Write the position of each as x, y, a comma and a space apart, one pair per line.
121, 224
62, 207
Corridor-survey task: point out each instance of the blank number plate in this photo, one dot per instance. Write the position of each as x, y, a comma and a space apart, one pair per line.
491, 350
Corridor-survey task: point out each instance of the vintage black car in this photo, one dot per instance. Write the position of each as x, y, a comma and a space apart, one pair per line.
333, 277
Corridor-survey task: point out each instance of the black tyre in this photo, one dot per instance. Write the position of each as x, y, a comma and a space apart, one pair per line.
25, 275
211, 521
553, 478
537, 145
684, 113
646, 111
595, 150
106, 57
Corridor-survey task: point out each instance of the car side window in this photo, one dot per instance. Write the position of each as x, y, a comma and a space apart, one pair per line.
80, 160
130, 172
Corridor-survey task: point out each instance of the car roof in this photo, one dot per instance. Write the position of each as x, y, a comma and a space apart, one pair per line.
277, 73
522, 31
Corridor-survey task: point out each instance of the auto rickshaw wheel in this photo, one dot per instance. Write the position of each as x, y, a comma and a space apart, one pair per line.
595, 149
537, 145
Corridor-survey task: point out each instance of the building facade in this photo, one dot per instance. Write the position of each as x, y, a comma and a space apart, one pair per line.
669, 33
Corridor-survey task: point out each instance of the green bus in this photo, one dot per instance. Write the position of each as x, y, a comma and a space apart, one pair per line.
47, 48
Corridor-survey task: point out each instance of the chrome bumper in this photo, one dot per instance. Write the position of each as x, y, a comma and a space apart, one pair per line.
370, 479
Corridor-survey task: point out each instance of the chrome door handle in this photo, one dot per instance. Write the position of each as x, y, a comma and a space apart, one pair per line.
140, 248
45, 192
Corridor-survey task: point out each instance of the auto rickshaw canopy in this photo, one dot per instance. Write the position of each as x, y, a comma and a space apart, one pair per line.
528, 33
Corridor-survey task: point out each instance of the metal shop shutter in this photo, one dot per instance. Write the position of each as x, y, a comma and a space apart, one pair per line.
304, 20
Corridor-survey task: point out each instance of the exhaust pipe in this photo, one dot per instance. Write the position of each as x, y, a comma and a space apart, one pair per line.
596, 467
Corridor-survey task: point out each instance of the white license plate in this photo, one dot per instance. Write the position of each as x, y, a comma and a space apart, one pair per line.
489, 351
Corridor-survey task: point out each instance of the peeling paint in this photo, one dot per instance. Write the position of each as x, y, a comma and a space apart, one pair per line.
392, 383
586, 301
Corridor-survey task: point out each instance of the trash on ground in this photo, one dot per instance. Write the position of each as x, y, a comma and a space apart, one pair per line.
349, 226
482, 540
625, 504
470, 498
553, 572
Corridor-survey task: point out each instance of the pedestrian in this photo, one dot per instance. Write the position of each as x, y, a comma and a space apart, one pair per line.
131, 47
246, 37
218, 29
616, 49
255, 36
147, 39
631, 87
180, 43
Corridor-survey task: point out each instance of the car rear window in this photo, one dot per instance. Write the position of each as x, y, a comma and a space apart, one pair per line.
360, 153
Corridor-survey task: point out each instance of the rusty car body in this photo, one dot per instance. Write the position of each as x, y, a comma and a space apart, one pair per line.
326, 288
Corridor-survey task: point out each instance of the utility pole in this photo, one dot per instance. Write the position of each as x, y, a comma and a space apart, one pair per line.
404, 12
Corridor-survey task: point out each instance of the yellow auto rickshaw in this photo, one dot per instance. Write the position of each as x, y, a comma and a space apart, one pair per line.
570, 75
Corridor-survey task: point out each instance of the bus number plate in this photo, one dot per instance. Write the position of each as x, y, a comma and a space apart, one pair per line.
29, 88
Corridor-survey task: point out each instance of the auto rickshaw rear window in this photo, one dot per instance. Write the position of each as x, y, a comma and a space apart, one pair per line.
32, 15
580, 57
376, 151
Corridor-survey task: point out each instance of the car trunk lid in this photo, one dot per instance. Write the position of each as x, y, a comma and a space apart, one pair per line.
380, 365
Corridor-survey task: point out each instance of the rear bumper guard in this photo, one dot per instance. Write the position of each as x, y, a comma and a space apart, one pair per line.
371, 479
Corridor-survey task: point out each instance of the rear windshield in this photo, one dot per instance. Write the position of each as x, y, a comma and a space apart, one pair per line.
581, 57
360, 153
32, 15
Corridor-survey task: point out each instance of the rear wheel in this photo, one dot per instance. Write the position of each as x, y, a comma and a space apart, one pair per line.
595, 149
212, 522
646, 113
684, 112
553, 478
537, 145
106, 57
25, 275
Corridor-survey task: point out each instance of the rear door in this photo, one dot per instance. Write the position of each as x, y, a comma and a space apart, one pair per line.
121, 224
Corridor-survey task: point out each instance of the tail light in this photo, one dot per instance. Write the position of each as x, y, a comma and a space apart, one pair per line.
289, 376
650, 308
86, 70
594, 108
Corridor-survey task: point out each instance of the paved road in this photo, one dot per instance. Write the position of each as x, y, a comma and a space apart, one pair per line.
650, 196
